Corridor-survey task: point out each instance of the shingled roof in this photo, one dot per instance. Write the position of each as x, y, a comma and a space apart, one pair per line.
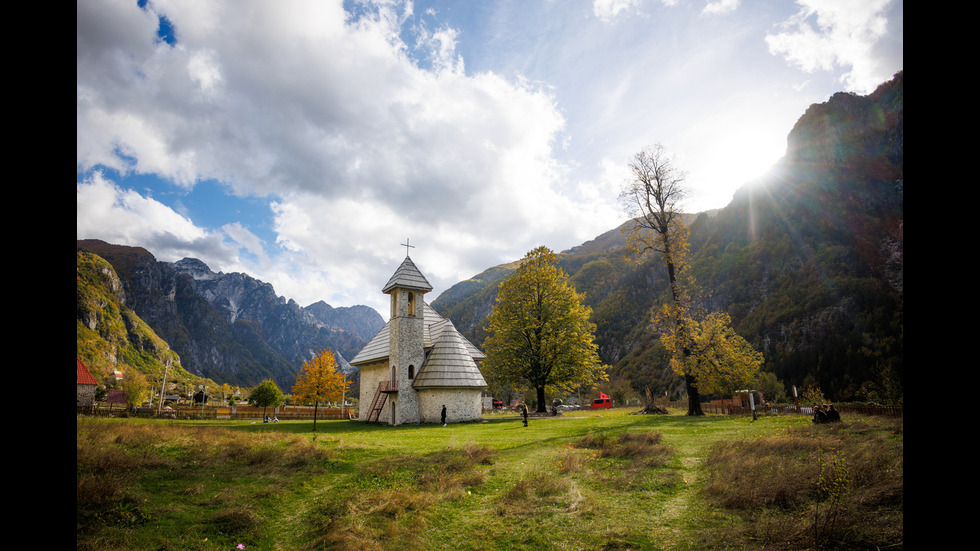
449, 363
433, 325
407, 276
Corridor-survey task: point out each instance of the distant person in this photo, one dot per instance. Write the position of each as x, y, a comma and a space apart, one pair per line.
443, 415
832, 415
819, 416
524, 412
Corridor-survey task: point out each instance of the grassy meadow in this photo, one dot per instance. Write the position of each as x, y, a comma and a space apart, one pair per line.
612, 480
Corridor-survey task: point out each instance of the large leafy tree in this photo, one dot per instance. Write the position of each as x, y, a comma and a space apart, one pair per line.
266, 395
718, 358
319, 380
540, 335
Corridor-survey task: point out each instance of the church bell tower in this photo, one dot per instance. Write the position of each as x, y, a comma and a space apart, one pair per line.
407, 345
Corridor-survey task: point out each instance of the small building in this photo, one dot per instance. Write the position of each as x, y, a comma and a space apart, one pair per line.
418, 362
115, 396
85, 385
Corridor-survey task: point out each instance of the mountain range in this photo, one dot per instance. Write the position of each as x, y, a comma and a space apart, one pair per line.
807, 260
230, 328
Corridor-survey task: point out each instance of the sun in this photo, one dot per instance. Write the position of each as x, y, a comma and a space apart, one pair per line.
732, 158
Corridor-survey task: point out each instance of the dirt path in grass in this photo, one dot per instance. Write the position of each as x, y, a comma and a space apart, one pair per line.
672, 523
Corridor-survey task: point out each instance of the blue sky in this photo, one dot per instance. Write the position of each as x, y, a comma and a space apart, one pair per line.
304, 142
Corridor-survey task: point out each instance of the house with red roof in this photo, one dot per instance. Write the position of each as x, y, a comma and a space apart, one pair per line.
86, 385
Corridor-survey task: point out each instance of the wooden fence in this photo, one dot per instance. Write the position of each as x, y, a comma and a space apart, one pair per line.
306, 412
844, 409
223, 412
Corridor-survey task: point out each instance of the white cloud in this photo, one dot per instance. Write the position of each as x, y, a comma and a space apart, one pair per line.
328, 115
719, 7
606, 10
125, 217
825, 34
245, 241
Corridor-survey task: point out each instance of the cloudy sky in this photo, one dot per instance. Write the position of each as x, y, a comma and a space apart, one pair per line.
303, 142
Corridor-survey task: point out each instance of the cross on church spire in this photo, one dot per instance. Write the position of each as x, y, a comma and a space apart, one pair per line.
407, 246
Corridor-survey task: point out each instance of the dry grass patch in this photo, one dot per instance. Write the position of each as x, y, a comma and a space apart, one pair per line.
388, 504
125, 470
637, 459
837, 486
646, 448
538, 492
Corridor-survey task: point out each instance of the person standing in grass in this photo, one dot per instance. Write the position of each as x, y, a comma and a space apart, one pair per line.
444, 415
524, 412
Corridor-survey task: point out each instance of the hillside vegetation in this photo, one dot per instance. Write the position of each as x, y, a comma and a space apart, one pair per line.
110, 336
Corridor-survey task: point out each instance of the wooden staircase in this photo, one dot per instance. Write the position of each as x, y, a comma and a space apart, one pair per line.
380, 398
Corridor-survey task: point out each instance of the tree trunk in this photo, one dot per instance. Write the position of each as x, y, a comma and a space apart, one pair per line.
693, 398
316, 406
541, 406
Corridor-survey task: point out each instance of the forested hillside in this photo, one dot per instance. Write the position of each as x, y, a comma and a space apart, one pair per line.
808, 261
110, 336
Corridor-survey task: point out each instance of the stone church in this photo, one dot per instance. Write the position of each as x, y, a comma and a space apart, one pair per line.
418, 362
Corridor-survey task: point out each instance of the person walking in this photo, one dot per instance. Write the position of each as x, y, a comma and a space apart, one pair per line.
444, 415
524, 412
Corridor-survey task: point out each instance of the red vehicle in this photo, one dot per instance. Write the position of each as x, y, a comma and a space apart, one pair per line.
497, 404
602, 401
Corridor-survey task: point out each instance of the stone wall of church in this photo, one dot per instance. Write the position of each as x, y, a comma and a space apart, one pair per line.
406, 352
462, 405
371, 375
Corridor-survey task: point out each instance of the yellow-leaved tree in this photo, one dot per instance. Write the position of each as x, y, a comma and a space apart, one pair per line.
320, 381
540, 335
718, 358
705, 350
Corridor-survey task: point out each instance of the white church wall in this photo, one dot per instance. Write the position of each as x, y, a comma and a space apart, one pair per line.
462, 405
371, 375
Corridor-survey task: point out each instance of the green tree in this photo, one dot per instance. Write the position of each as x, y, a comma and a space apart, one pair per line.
136, 387
540, 335
773, 390
267, 394
319, 380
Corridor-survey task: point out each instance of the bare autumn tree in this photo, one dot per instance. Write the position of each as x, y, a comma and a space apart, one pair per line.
652, 197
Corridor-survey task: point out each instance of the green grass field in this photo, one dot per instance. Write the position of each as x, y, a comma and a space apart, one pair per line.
600, 481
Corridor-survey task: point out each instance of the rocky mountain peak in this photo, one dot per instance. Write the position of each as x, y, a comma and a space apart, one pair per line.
194, 268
